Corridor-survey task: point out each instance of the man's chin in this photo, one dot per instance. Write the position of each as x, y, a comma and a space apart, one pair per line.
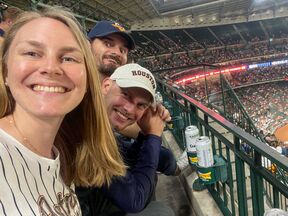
108, 70
120, 127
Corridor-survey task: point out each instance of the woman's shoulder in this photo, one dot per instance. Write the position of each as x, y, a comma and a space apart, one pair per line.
4, 123
7, 139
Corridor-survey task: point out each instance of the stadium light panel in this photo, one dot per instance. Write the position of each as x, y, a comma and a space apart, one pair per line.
226, 70
259, 1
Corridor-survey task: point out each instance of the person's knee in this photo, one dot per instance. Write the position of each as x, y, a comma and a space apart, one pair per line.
167, 162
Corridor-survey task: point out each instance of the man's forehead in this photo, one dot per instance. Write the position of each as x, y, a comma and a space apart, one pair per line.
139, 93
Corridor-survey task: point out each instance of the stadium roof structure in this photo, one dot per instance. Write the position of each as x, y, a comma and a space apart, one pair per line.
168, 14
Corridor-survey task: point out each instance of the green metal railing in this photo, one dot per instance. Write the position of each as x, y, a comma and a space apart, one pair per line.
257, 174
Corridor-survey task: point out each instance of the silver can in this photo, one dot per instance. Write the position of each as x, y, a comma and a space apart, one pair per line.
275, 212
191, 134
204, 152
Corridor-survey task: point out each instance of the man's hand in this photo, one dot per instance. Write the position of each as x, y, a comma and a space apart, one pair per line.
153, 120
163, 113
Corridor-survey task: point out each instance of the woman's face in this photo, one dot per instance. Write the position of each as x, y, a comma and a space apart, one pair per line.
46, 70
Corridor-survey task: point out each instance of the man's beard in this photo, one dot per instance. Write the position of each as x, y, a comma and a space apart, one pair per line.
107, 70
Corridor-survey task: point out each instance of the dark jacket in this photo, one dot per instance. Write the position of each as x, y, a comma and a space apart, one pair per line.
132, 192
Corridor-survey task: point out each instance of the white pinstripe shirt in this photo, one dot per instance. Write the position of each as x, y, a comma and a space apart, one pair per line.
31, 184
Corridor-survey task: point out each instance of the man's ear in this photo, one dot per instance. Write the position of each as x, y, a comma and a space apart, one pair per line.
9, 22
106, 85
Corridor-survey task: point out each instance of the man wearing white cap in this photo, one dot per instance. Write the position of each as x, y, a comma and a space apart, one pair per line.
129, 97
135, 82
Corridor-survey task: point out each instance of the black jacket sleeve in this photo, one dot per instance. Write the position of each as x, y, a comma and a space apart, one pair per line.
130, 193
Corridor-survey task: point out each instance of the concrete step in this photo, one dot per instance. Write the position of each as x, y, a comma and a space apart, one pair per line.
171, 191
195, 202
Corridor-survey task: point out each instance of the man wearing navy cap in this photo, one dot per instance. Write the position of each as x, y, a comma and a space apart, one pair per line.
111, 44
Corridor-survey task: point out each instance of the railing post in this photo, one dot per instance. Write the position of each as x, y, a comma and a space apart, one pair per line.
230, 181
241, 181
275, 198
257, 187
193, 115
206, 123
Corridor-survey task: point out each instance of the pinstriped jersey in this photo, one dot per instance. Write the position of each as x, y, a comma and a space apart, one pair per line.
31, 184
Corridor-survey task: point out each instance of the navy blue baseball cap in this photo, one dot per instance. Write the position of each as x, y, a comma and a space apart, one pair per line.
104, 28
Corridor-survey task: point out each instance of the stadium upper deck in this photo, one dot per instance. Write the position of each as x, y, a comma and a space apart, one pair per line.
207, 40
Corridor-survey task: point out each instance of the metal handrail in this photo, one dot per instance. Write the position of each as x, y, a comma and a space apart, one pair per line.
257, 179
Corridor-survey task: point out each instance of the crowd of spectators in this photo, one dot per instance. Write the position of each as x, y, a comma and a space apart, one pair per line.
149, 48
257, 75
266, 105
221, 55
260, 90
227, 37
264, 97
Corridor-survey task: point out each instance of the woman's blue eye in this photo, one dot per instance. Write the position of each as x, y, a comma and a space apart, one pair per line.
69, 59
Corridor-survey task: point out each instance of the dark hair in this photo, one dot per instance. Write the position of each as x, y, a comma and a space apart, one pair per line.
9, 13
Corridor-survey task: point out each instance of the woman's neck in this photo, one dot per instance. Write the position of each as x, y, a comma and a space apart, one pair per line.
37, 134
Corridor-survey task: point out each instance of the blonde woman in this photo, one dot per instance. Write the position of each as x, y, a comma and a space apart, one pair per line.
51, 114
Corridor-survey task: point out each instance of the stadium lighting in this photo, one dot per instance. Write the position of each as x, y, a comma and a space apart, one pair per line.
259, 1
189, 19
232, 69
176, 20
215, 72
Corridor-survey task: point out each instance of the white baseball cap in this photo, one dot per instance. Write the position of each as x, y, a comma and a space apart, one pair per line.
134, 75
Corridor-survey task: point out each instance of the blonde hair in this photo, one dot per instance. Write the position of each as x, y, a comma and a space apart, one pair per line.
89, 153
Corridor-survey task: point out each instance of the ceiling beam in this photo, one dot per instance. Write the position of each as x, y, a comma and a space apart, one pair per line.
193, 7
110, 12
130, 11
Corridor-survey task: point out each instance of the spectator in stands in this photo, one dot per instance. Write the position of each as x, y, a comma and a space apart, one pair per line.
7, 17
111, 44
236, 54
48, 88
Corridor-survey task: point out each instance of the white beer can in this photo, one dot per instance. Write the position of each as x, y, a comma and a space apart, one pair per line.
204, 152
275, 212
191, 134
